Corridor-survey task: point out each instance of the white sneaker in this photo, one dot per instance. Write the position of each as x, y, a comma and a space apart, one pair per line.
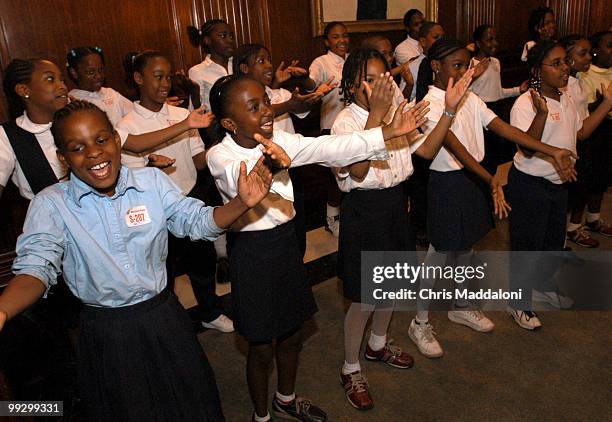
423, 336
525, 319
222, 323
474, 319
556, 299
333, 225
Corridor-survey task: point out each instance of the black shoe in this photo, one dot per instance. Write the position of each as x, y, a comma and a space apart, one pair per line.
299, 409
222, 270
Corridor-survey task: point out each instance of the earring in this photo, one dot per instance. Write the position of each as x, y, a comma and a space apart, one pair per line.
26, 96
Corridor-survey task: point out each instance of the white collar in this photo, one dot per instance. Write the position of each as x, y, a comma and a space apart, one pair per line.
336, 57
25, 123
148, 114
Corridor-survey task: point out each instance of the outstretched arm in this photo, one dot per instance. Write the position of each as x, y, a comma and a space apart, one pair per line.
21, 293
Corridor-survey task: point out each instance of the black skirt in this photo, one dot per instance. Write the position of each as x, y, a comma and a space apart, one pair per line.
271, 296
144, 363
370, 220
458, 213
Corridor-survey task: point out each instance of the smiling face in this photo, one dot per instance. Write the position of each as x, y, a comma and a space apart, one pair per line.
259, 67
580, 56
46, 92
91, 149
554, 70
89, 73
154, 83
337, 40
250, 112
220, 41
374, 68
548, 29
487, 45
452, 66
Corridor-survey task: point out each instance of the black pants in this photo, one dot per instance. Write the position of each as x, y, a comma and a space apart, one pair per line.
537, 224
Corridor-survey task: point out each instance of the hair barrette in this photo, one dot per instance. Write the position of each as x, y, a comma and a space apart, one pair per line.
73, 53
98, 49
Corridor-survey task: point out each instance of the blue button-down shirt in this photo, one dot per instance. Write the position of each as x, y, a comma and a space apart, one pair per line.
112, 249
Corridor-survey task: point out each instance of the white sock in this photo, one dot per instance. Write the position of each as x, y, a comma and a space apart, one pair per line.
285, 399
349, 368
263, 418
573, 227
332, 211
422, 319
221, 246
377, 342
592, 217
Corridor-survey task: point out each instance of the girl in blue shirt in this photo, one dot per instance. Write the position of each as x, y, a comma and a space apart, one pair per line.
107, 228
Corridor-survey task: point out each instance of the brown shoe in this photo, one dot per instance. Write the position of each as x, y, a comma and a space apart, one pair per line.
356, 390
391, 355
582, 238
600, 227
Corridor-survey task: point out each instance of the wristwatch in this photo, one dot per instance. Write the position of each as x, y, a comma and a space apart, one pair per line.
448, 113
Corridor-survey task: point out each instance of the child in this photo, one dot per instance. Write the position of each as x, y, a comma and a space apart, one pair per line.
458, 211
489, 88
542, 27
410, 48
86, 68
537, 193
325, 70
35, 90
107, 227
217, 38
254, 60
401, 73
594, 81
428, 34
271, 297
374, 216
152, 75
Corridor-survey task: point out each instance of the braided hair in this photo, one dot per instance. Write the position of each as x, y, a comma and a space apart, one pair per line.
536, 56
76, 55
220, 101
76, 106
18, 71
355, 70
442, 48
196, 36
244, 54
136, 62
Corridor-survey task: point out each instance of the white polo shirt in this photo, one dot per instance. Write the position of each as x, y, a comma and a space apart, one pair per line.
407, 49
577, 93
562, 124
282, 122
321, 69
182, 148
489, 87
9, 166
382, 174
333, 151
472, 116
108, 100
205, 74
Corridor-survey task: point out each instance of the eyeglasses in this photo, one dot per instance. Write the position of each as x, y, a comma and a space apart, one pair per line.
558, 63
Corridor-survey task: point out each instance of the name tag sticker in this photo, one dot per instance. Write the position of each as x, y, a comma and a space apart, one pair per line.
555, 117
137, 216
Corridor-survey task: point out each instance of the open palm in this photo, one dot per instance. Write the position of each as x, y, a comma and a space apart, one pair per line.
254, 187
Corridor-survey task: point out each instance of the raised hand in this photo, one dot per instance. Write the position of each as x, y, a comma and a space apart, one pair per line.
405, 122
174, 101
199, 119
564, 160
160, 161
406, 73
306, 99
539, 102
380, 94
284, 73
481, 67
501, 207
456, 91
327, 87
607, 93
254, 187
276, 154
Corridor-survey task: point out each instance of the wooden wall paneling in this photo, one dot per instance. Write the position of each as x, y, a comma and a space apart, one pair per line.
600, 16
572, 16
